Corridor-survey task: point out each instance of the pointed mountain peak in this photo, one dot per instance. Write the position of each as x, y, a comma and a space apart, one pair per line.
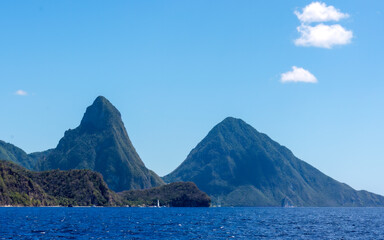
101, 143
100, 115
101, 100
103, 103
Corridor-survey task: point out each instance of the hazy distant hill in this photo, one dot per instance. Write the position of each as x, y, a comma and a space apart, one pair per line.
12, 153
238, 166
101, 143
38, 158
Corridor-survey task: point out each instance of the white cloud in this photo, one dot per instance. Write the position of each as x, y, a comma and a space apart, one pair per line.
21, 93
325, 36
321, 35
298, 75
320, 12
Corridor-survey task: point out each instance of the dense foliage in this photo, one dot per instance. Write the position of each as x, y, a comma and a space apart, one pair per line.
238, 166
19, 186
179, 194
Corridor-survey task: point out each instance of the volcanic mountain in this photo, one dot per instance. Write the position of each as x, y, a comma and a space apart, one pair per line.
101, 143
238, 166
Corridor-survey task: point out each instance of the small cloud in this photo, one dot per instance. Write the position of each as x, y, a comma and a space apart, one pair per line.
21, 93
325, 36
298, 75
320, 12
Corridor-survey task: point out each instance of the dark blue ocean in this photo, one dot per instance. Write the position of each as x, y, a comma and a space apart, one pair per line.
191, 223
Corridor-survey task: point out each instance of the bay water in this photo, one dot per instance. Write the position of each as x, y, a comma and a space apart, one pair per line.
190, 223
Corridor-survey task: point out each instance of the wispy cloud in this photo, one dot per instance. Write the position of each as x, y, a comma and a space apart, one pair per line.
324, 36
321, 35
21, 93
298, 75
320, 12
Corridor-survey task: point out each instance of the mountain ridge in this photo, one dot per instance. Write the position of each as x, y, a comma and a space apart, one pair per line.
238, 166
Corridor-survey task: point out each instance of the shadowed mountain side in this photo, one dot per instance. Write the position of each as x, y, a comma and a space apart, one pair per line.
39, 157
238, 166
101, 143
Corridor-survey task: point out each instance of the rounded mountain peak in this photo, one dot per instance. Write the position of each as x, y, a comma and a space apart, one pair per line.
231, 121
100, 115
232, 125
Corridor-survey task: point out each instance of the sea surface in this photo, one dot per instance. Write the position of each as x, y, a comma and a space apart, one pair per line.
191, 223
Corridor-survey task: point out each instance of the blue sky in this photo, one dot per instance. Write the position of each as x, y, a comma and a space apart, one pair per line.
174, 69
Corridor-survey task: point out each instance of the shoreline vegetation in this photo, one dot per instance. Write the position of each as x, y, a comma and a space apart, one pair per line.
86, 188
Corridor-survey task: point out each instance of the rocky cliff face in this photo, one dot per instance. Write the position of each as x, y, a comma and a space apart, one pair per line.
101, 143
238, 166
